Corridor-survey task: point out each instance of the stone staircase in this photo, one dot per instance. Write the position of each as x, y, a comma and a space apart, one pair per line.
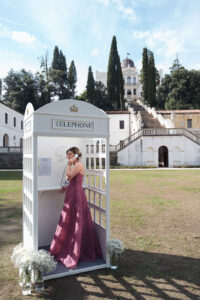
148, 120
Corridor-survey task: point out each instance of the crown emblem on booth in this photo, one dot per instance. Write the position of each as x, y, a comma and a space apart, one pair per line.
73, 108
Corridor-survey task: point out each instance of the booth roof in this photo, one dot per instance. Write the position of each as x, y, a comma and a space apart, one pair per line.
72, 107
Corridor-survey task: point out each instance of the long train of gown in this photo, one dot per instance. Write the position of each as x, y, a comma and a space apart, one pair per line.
75, 237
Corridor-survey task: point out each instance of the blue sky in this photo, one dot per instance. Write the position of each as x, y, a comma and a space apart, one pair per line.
83, 30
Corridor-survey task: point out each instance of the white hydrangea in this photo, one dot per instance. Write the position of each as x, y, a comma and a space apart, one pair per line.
115, 247
28, 258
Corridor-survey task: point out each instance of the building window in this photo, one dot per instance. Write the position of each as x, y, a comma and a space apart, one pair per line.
141, 94
129, 92
134, 92
128, 80
14, 122
134, 80
189, 123
6, 118
21, 124
121, 124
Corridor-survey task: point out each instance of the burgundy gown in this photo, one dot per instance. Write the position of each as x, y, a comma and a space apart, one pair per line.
75, 237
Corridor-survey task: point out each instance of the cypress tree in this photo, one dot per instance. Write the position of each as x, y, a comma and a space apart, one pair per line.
121, 86
56, 59
90, 86
72, 78
151, 81
145, 74
113, 75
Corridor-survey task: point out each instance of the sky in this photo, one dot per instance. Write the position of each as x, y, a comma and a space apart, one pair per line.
83, 30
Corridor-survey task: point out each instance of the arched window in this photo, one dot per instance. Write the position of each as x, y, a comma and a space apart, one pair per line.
5, 140
129, 92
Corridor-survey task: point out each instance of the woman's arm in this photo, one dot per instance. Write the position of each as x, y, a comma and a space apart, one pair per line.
71, 173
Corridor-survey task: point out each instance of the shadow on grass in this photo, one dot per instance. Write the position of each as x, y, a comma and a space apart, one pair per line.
141, 275
11, 175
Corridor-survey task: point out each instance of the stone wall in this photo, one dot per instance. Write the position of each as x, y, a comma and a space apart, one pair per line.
10, 160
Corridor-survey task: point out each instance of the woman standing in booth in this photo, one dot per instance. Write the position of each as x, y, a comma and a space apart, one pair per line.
75, 237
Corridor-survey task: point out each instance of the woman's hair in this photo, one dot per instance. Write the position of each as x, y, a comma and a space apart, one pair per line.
75, 150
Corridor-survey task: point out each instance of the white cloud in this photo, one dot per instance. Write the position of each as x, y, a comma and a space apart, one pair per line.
126, 11
167, 42
141, 34
22, 37
105, 2
95, 52
4, 31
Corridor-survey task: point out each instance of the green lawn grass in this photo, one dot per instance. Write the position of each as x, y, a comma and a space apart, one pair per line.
154, 212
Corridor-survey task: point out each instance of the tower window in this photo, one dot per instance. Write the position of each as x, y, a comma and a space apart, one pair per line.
14, 122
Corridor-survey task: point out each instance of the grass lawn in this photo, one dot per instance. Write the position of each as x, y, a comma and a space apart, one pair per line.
157, 215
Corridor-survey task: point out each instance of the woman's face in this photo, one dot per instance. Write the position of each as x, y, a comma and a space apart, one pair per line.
70, 155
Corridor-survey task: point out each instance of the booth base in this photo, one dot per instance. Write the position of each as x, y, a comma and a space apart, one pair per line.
82, 266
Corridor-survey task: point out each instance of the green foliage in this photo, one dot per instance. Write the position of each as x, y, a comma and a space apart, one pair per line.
114, 77
90, 86
101, 97
151, 81
72, 79
180, 89
82, 96
20, 89
144, 74
58, 81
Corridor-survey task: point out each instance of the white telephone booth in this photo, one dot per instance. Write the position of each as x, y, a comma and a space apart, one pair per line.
48, 133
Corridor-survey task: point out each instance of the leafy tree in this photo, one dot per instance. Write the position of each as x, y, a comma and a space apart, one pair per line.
82, 96
90, 86
43, 82
72, 79
144, 74
20, 88
180, 89
151, 81
162, 92
114, 77
101, 97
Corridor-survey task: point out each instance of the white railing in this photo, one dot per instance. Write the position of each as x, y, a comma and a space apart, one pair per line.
155, 132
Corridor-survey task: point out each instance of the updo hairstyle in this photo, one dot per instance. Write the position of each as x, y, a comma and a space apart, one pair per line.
75, 150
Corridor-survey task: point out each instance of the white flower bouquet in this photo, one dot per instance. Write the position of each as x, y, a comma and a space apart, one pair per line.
32, 264
115, 249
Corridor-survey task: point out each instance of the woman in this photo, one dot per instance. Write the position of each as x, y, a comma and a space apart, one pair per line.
75, 237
